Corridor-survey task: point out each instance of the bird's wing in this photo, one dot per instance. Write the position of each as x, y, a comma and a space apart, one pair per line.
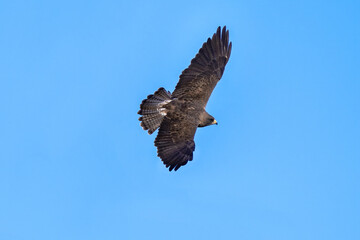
199, 80
175, 140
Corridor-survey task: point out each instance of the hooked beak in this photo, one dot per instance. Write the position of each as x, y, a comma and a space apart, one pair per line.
215, 122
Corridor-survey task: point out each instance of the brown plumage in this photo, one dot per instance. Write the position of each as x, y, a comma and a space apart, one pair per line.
179, 114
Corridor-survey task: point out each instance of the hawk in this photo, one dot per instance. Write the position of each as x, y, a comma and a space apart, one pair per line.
180, 113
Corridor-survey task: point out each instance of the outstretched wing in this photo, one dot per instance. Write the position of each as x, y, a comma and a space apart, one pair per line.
199, 80
175, 140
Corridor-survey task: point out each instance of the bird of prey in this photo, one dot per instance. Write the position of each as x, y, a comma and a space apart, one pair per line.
180, 113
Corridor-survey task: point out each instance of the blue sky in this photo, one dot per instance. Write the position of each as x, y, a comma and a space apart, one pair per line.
283, 163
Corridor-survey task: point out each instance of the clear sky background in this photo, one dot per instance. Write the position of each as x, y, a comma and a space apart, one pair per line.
283, 163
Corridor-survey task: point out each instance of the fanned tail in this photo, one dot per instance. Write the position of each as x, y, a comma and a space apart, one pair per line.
152, 110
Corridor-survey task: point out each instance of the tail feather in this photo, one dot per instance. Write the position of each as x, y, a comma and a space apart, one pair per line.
151, 110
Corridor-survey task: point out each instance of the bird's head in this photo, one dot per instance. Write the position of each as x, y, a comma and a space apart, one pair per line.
207, 120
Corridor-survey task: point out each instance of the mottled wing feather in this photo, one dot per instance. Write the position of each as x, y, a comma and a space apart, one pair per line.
199, 80
175, 140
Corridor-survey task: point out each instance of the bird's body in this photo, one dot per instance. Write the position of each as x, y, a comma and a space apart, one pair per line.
180, 114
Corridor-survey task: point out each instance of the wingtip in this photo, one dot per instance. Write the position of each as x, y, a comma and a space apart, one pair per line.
229, 50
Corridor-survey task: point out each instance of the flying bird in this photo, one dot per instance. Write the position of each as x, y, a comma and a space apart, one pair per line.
180, 113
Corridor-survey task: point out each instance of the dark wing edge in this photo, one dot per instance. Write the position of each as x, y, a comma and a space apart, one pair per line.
174, 147
205, 70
